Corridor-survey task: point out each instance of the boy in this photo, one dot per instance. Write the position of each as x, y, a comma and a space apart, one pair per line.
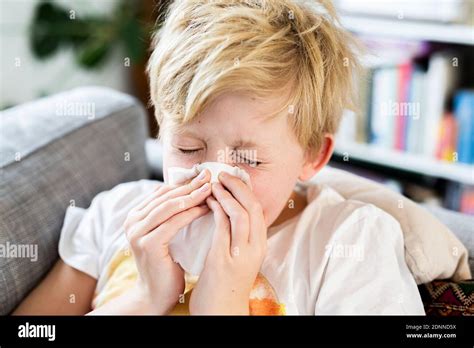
266, 81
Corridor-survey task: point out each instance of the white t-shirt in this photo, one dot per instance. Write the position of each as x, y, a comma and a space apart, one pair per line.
337, 256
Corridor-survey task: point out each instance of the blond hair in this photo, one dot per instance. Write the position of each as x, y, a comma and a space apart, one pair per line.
206, 48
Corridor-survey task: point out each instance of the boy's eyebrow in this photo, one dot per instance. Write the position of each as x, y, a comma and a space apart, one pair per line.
244, 143
236, 143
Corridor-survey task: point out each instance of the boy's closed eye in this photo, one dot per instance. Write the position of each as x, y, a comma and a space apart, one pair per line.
189, 151
236, 155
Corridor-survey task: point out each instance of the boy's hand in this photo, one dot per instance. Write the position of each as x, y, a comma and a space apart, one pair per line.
237, 250
150, 227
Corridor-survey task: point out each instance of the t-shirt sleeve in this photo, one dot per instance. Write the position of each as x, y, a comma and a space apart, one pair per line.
80, 240
87, 235
366, 272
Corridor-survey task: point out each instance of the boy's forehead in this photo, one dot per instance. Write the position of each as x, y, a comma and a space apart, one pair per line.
243, 120
247, 106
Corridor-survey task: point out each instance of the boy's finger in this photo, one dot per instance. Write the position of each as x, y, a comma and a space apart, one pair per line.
177, 191
239, 218
157, 192
239, 190
173, 206
167, 230
246, 198
221, 237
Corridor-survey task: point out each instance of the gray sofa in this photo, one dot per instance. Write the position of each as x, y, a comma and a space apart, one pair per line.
65, 149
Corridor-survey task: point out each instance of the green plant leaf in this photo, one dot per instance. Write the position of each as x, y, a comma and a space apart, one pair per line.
91, 37
45, 38
93, 53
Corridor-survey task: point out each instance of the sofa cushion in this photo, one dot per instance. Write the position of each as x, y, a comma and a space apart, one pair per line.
432, 251
56, 152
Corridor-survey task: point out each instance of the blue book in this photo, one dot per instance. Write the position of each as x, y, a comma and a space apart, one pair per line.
464, 113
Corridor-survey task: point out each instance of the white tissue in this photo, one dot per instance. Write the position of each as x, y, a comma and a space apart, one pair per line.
192, 243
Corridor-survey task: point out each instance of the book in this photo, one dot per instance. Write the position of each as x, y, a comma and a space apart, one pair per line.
404, 108
440, 78
382, 117
459, 197
363, 113
464, 113
447, 138
415, 131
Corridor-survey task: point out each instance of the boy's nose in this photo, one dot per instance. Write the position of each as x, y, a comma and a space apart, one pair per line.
219, 154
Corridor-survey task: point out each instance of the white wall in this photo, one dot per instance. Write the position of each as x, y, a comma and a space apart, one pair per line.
34, 78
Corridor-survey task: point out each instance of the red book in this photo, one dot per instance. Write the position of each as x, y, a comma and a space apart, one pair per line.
404, 106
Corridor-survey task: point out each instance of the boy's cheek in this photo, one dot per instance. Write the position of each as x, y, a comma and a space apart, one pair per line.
272, 189
265, 193
173, 160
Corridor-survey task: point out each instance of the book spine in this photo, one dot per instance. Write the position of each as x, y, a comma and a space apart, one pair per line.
464, 112
403, 106
383, 107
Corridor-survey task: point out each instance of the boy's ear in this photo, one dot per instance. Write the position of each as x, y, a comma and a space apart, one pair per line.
315, 160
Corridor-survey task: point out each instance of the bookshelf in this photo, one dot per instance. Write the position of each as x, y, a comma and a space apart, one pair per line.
410, 30
462, 173
412, 55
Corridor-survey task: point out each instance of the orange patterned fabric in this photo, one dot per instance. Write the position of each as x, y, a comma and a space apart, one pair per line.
263, 299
